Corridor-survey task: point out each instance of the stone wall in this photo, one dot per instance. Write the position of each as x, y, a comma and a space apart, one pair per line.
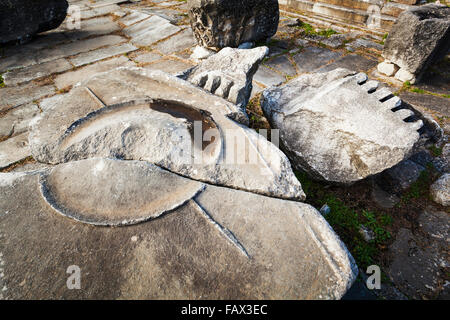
377, 16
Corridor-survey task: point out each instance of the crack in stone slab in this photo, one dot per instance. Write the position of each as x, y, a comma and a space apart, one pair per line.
226, 232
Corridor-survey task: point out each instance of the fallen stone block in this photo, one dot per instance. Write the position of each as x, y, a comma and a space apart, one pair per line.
220, 24
22, 19
420, 36
339, 126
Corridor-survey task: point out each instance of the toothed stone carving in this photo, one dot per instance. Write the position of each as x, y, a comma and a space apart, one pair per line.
137, 114
340, 127
229, 73
229, 23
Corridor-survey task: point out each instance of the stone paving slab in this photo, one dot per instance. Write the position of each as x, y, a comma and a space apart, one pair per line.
100, 11
178, 42
353, 62
366, 44
141, 28
268, 77
92, 27
312, 58
171, 15
436, 82
427, 101
19, 59
71, 78
133, 17
103, 3
36, 71
147, 57
173, 67
18, 95
149, 31
14, 150
16, 120
282, 64
100, 54
51, 102
78, 47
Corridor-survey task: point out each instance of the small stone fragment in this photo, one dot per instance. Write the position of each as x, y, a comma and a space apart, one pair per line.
440, 190
387, 68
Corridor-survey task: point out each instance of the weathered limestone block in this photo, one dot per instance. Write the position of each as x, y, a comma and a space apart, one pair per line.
138, 114
420, 36
207, 242
229, 73
21, 19
338, 126
218, 23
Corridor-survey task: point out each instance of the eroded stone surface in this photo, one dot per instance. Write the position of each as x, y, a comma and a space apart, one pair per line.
223, 24
338, 127
222, 244
137, 114
229, 73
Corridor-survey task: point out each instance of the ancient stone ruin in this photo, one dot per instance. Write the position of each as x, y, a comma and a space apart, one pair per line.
220, 24
340, 126
224, 149
229, 73
420, 37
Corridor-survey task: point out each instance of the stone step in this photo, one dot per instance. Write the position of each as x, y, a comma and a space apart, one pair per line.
338, 26
359, 13
386, 7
